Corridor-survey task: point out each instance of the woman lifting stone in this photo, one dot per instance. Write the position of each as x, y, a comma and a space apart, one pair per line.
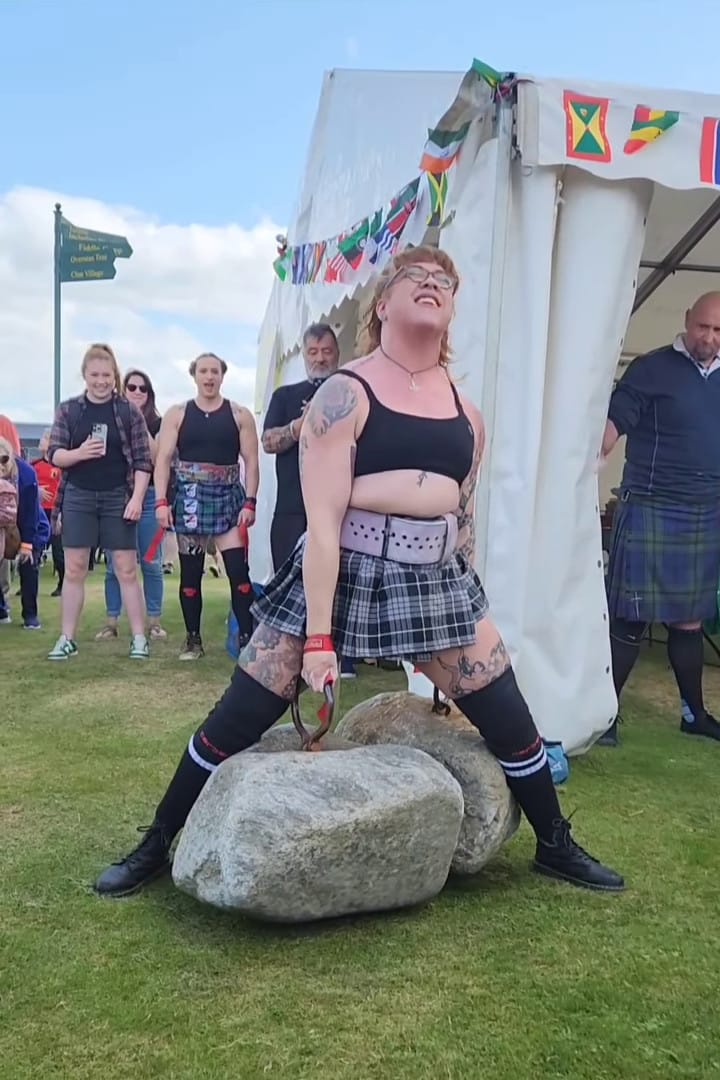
389, 457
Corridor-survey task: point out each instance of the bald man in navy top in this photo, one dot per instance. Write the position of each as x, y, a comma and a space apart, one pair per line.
665, 551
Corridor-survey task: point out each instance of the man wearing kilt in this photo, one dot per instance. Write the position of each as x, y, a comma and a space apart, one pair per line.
389, 457
664, 561
206, 439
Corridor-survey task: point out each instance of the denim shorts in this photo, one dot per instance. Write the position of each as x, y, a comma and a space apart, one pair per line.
94, 519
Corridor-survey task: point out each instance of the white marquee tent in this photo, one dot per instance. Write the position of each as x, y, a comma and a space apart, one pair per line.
574, 255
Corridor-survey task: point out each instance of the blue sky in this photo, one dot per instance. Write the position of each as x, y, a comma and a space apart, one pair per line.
200, 112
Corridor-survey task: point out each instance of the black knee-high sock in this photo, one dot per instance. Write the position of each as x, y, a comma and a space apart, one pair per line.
501, 715
686, 655
625, 638
191, 569
241, 593
241, 716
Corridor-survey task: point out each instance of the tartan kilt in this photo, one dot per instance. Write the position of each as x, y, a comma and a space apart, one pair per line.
204, 508
664, 563
383, 609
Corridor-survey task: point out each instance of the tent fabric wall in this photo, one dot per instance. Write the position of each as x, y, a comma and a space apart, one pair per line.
564, 663
545, 400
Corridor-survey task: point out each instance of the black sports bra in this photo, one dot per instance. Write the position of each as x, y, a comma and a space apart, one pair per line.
394, 440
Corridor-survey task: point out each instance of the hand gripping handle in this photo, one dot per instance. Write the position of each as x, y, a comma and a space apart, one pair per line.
310, 741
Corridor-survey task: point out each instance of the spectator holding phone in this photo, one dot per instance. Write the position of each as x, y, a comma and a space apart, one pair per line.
100, 441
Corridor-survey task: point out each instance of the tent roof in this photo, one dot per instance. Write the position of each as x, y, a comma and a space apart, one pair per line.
368, 138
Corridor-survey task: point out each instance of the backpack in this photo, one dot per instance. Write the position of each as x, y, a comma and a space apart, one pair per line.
9, 533
75, 411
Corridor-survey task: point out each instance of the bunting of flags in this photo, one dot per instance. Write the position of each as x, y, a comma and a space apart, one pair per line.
585, 135
648, 125
372, 241
710, 151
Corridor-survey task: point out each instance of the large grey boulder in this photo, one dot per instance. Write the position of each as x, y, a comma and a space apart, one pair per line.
491, 813
293, 837
285, 737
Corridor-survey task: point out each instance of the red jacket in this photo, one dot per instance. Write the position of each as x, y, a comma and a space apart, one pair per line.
49, 478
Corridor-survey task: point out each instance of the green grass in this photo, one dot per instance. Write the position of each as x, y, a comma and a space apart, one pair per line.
504, 976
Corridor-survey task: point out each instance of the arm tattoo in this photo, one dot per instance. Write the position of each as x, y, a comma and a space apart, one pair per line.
466, 510
278, 440
421, 479
334, 401
302, 451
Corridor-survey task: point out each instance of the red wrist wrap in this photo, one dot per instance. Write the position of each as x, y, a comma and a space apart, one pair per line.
319, 643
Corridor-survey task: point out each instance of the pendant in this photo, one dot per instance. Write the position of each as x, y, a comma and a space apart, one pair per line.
413, 384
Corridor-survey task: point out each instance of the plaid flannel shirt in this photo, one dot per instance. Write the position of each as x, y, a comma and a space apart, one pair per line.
136, 449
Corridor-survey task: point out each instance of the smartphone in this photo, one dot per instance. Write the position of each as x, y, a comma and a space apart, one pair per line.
99, 431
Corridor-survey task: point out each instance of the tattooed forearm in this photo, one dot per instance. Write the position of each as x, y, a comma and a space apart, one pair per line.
466, 509
466, 538
302, 450
334, 401
279, 439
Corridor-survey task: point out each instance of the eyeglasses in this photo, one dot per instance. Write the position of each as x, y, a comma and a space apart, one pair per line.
4, 459
136, 388
419, 275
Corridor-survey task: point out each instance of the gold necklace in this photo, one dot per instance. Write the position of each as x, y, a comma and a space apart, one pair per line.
412, 374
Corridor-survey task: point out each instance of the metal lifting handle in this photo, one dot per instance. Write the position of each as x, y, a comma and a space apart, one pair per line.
310, 741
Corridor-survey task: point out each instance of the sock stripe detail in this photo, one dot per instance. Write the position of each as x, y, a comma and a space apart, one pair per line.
197, 759
517, 769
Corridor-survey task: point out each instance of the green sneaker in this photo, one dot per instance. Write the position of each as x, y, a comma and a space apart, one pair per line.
63, 649
139, 648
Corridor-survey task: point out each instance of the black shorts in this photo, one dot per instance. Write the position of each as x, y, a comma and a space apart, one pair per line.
92, 519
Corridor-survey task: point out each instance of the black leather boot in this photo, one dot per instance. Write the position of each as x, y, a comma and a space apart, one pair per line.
564, 859
705, 725
146, 862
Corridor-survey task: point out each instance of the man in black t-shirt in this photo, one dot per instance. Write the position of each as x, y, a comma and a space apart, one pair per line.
281, 432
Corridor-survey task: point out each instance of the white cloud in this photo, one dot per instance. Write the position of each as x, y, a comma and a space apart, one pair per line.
185, 289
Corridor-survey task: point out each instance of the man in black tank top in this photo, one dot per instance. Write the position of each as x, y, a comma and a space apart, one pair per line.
214, 445
386, 568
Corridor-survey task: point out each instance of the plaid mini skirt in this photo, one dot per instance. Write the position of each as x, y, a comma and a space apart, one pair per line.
383, 609
664, 563
207, 500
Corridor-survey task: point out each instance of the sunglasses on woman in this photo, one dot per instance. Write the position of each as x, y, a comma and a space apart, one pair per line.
4, 459
136, 388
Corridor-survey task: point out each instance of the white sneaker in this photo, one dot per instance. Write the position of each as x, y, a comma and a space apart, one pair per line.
139, 648
63, 649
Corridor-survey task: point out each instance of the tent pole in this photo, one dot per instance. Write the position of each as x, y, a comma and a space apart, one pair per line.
672, 260
692, 268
